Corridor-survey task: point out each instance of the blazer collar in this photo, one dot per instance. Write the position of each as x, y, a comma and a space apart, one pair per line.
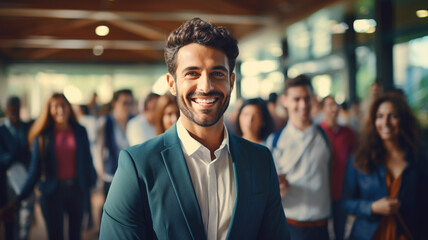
243, 184
182, 184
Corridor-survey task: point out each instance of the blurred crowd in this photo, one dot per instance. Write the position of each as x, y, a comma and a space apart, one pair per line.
333, 160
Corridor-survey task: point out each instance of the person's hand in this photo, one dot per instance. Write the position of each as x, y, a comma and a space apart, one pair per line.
386, 206
283, 185
8, 211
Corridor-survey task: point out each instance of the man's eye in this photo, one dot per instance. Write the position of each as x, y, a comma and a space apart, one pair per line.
191, 74
218, 74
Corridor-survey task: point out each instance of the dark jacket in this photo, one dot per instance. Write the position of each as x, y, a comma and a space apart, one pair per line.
85, 171
360, 190
152, 194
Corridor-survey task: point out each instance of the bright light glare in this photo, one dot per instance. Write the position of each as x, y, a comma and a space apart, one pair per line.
253, 68
73, 94
102, 30
322, 85
422, 13
365, 25
161, 86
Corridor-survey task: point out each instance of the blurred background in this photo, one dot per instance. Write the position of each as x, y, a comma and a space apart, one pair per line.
84, 47
92, 48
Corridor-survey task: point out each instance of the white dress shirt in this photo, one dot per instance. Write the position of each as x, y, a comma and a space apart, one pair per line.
213, 181
138, 130
304, 157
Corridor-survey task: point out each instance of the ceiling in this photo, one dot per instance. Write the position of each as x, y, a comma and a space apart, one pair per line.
64, 31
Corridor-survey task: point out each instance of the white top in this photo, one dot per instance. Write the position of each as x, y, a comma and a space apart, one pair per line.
213, 181
138, 130
304, 157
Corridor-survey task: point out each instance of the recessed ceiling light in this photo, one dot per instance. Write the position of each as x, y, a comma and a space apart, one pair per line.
102, 30
98, 50
422, 13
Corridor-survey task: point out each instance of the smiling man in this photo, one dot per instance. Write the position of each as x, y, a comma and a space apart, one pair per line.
196, 181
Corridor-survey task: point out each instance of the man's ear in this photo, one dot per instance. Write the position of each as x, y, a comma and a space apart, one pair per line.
171, 84
232, 81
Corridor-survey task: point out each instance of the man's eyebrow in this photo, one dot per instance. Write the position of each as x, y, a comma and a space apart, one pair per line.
223, 68
189, 69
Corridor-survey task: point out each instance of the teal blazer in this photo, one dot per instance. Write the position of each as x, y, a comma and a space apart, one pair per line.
152, 194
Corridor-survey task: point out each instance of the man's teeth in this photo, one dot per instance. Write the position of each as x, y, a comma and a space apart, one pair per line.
205, 101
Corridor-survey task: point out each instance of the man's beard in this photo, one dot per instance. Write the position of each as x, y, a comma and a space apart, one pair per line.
192, 115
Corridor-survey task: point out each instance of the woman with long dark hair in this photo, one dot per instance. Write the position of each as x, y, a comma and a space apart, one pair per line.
61, 164
385, 184
254, 121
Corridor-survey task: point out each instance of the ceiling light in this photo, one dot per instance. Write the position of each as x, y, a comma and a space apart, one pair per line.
98, 50
422, 13
102, 30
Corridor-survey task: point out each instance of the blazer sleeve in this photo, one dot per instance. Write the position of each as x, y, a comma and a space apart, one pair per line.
124, 210
34, 171
351, 196
274, 224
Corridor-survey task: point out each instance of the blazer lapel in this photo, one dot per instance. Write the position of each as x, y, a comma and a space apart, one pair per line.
182, 184
242, 184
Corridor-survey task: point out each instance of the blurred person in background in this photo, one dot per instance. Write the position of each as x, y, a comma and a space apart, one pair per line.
279, 117
166, 113
93, 107
301, 151
375, 91
111, 137
342, 142
386, 182
89, 122
317, 114
14, 149
142, 127
254, 121
61, 164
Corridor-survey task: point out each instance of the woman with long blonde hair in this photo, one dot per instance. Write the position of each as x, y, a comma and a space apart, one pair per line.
61, 164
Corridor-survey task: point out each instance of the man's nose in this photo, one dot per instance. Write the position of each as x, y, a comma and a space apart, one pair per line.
204, 83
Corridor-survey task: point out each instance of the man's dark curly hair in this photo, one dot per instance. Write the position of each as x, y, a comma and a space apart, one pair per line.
204, 33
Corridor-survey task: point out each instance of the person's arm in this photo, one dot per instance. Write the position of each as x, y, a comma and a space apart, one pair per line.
274, 225
89, 164
352, 201
124, 215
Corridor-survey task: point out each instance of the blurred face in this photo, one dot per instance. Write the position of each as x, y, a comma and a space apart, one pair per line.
250, 120
60, 111
387, 122
298, 103
202, 84
149, 111
330, 109
375, 90
123, 104
170, 116
12, 112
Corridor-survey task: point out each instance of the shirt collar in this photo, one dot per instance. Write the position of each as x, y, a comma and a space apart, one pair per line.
299, 134
190, 145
